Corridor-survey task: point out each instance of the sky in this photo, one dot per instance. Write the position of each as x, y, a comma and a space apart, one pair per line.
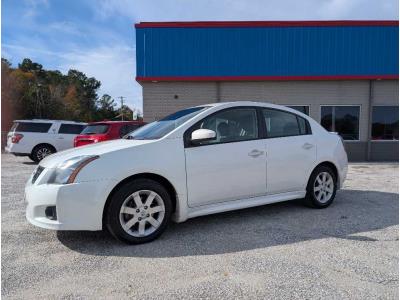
97, 37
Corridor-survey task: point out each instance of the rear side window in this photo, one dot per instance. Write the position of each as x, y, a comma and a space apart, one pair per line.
280, 124
32, 127
304, 126
95, 129
71, 128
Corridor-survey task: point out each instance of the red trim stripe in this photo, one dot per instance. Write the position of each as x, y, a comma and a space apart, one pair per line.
268, 23
263, 78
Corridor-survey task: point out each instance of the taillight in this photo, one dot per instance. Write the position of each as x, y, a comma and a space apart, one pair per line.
16, 138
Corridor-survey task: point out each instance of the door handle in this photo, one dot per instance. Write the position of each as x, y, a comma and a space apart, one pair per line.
256, 153
307, 146
60, 138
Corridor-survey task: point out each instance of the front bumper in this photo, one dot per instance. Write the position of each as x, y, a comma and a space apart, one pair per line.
79, 206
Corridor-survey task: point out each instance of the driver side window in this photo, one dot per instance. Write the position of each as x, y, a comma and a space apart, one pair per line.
231, 125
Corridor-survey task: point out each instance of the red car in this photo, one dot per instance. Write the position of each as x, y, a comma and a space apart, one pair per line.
104, 131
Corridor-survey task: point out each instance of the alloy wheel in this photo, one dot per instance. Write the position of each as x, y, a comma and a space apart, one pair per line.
142, 213
323, 187
42, 153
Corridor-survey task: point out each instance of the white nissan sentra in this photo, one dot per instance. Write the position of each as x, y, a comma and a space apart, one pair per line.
197, 161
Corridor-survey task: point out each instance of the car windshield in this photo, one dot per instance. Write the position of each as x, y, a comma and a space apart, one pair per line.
95, 129
158, 129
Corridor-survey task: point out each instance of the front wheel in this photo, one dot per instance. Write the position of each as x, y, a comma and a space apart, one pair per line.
139, 211
321, 188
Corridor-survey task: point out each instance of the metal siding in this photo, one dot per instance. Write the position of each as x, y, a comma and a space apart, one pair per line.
386, 92
163, 98
385, 151
267, 51
356, 151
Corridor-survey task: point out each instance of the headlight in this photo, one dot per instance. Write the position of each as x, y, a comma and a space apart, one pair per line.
67, 171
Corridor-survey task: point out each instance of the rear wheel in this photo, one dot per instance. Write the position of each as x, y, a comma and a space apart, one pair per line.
139, 211
321, 188
41, 151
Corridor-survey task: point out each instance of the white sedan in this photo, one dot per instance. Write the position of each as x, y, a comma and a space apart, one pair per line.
197, 161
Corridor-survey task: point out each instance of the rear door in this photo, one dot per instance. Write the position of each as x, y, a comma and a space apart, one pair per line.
66, 134
291, 151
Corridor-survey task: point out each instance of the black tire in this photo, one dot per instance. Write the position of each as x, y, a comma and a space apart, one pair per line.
31, 157
41, 151
311, 198
112, 218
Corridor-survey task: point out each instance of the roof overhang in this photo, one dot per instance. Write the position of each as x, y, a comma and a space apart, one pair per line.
264, 78
203, 24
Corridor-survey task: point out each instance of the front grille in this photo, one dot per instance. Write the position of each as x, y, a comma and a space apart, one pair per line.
36, 173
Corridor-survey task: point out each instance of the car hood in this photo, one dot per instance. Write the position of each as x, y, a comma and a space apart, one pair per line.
93, 149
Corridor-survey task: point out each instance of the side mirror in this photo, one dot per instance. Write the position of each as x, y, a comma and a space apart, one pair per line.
201, 135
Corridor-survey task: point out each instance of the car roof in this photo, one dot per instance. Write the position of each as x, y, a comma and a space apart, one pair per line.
240, 103
248, 103
257, 104
50, 121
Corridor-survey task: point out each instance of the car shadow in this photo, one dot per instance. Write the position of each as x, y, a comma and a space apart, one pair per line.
352, 213
29, 163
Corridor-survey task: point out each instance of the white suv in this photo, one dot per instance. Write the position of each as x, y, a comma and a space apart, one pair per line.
39, 138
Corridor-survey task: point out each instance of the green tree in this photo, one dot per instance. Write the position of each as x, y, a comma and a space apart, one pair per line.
86, 92
34, 92
106, 108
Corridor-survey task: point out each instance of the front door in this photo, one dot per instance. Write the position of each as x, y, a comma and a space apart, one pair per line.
233, 166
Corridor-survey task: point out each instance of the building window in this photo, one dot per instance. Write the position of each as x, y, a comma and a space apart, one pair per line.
385, 123
344, 120
305, 109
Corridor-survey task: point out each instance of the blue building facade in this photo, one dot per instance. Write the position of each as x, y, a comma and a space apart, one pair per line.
267, 50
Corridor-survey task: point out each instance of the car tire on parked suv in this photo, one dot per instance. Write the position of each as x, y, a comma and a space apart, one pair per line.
321, 188
41, 151
139, 211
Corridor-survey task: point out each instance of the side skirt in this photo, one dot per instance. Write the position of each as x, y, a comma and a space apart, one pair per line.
243, 203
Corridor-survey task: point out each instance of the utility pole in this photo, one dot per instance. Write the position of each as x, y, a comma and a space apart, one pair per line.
122, 106
39, 101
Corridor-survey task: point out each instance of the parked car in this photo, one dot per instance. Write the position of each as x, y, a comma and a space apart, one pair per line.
198, 161
104, 131
39, 138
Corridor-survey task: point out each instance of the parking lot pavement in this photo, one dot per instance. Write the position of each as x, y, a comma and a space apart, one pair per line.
285, 251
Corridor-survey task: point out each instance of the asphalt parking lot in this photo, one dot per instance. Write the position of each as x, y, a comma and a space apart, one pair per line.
280, 251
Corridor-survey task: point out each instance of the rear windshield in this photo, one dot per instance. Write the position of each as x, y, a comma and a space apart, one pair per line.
96, 129
31, 127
